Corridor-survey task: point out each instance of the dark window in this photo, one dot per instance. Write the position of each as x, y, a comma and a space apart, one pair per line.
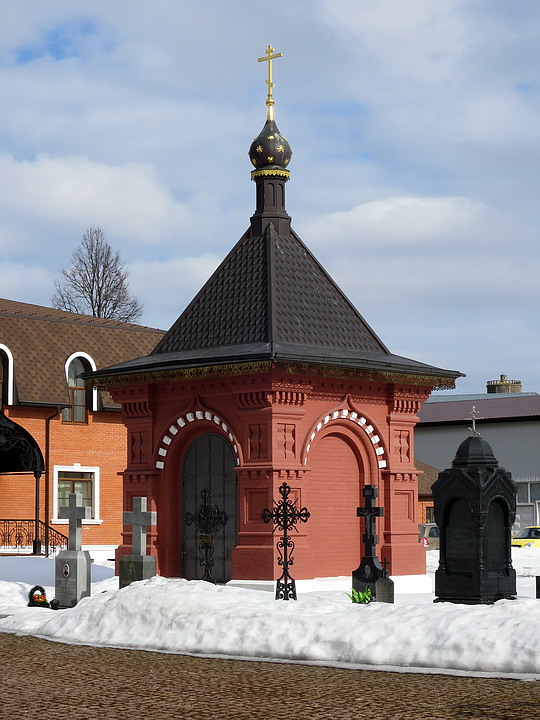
430, 514
80, 397
3, 379
71, 481
523, 493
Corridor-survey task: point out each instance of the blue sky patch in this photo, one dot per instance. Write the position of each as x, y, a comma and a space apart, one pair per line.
60, 43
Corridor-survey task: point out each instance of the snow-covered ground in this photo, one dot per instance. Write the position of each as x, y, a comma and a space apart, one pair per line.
322, 627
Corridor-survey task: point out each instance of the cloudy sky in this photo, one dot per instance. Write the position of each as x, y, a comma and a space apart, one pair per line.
415, 128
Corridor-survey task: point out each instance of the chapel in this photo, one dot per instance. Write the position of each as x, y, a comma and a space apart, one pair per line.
271, 375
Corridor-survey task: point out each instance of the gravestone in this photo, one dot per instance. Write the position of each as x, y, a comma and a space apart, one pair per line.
138, 565
370, 573
475, 507
73, 566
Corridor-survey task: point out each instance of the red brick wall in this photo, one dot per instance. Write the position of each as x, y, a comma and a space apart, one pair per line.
273, 418
99, 443
332, 495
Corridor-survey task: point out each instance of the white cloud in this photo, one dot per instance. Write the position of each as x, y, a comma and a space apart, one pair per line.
166, 288
127, 200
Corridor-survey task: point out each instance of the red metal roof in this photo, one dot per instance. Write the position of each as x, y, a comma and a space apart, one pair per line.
488, 407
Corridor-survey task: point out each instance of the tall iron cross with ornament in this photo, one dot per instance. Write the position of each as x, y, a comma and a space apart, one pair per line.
285, 516
207, 519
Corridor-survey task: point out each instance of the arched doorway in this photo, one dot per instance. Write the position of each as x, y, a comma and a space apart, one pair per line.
337, 478
209, 463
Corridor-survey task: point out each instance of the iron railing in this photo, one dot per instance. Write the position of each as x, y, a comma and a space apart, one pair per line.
17, 536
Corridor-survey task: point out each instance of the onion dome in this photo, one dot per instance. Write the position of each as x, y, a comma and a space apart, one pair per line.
270, 151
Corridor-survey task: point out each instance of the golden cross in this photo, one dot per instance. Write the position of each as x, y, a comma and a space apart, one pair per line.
270, 100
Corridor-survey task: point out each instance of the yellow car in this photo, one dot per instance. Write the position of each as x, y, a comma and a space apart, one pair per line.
527, 537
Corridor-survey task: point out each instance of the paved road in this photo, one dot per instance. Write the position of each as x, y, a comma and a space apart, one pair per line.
40, 679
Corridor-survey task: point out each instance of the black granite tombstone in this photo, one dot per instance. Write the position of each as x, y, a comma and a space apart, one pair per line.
475, 507
370, 573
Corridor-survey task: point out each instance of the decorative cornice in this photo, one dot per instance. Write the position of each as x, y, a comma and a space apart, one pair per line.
435, 382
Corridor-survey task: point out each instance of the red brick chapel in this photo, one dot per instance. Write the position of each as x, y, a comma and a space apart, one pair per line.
270, 375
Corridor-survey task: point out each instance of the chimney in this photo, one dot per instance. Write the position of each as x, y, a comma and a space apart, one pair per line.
504, 385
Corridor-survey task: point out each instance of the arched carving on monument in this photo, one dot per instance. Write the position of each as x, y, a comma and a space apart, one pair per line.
362, 428
195, 420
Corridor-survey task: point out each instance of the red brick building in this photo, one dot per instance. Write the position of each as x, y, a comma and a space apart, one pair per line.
80, 432
271, 375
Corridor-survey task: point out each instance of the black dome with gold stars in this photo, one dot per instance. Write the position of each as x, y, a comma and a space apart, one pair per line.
270, 150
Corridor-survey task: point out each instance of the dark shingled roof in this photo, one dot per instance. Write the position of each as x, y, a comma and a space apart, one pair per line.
41, 339
271, 299
270, 290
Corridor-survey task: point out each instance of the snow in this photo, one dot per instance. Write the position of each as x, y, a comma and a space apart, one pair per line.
322, 627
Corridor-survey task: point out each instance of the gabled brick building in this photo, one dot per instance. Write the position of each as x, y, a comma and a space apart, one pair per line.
271, 375
79, 431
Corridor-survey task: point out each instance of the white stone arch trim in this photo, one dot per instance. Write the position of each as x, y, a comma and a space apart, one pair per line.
186, 420
342, 415
10, 371
90, 359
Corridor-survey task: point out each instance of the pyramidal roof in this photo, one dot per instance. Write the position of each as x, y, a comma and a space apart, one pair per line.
270, 291
271, 300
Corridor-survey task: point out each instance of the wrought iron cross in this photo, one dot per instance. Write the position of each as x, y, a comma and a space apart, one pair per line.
75, 512
285, 516
207, 520
139, 518
269, 57
369, 513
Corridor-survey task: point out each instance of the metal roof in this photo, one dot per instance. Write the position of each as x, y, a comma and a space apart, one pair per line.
41, 339
490, 406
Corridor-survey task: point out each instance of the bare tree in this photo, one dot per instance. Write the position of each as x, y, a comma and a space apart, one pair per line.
96, 282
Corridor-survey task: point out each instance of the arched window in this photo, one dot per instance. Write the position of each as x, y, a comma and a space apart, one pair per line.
80, 397
3, 379
6, 376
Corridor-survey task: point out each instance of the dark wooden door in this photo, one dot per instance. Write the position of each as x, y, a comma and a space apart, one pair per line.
209, 463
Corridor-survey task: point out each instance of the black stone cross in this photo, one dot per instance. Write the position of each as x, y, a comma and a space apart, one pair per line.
207, 520
369, 513
370, 569
285, 516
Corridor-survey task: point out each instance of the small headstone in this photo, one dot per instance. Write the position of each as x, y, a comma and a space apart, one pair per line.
73, 566
138, 565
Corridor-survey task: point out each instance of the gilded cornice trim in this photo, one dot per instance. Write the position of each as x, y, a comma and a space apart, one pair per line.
260, 173
436, 382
